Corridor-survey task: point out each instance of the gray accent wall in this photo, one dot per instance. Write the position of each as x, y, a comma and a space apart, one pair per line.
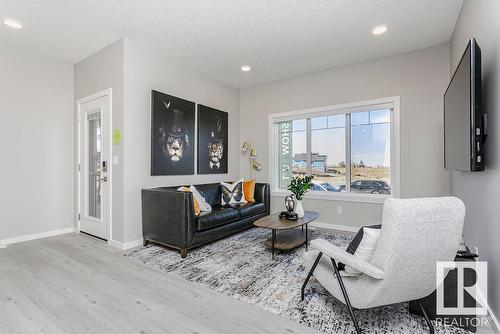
36, 143
145, 70
481, 191
419, 78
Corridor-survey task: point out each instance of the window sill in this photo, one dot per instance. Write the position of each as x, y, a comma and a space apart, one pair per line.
338, 197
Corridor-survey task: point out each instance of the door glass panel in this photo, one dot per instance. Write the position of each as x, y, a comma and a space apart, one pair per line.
94, 167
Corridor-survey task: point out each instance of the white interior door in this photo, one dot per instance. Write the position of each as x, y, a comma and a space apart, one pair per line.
94, 190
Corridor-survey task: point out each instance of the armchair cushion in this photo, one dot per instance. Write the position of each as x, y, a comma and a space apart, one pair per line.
353, 245
348, 259
366, 247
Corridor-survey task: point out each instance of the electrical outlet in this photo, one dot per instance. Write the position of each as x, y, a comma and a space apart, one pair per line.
339, 210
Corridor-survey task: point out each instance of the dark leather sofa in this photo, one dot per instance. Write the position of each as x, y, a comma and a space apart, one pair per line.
168, 216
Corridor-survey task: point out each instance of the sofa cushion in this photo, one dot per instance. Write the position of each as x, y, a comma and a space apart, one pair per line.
211, 192
232, 193
249, 209
249, 190
218, 217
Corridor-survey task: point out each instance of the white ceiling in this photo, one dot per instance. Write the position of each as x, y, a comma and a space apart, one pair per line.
279, 39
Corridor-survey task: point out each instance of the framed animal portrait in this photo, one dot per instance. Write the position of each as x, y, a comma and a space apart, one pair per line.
212, 140
172, 135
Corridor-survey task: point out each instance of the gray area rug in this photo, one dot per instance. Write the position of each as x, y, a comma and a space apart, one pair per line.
241, 266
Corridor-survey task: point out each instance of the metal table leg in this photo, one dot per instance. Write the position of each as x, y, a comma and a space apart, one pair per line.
272, 241
307, 241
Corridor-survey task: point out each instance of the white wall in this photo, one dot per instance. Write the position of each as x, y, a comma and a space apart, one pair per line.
481, 191
102, 70
419, 78
36, 141
146, 70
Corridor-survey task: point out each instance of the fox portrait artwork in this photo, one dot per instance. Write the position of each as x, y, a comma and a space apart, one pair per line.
212, 140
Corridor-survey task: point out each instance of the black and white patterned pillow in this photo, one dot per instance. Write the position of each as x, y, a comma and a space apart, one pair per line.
232, 193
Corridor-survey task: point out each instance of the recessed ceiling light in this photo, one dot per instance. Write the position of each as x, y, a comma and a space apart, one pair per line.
11, 23
245, 68
379, 30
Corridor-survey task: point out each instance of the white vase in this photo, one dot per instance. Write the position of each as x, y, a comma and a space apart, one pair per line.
299, 209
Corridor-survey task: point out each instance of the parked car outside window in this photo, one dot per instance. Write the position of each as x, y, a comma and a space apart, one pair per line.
318, 187
330, 187
369, 187
325, 186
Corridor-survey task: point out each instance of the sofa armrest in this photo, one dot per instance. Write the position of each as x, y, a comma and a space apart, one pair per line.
262, 194
340, 255
168, 216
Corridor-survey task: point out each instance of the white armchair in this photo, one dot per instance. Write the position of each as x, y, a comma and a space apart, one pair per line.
415, 234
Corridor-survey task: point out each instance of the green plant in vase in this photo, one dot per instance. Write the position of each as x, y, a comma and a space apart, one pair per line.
299, 186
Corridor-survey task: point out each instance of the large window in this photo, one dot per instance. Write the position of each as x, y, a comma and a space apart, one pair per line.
347, 151
328, 153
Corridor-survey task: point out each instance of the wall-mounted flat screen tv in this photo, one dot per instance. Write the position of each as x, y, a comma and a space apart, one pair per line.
464, 118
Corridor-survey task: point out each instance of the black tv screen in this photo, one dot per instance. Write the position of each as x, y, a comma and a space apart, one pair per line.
463, 114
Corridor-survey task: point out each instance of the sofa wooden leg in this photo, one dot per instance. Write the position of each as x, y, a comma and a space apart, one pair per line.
184, 252
145, 242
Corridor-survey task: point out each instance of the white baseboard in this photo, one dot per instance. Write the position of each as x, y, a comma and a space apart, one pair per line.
22, 238
125, 245
132, 244
328, 226
494, 319
490, 316
115, 244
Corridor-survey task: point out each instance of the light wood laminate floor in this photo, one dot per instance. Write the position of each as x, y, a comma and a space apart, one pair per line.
75, 284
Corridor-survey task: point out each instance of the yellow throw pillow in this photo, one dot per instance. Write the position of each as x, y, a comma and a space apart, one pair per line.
249, 190
197, 208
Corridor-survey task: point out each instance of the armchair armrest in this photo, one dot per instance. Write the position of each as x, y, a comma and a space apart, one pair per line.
340, 255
